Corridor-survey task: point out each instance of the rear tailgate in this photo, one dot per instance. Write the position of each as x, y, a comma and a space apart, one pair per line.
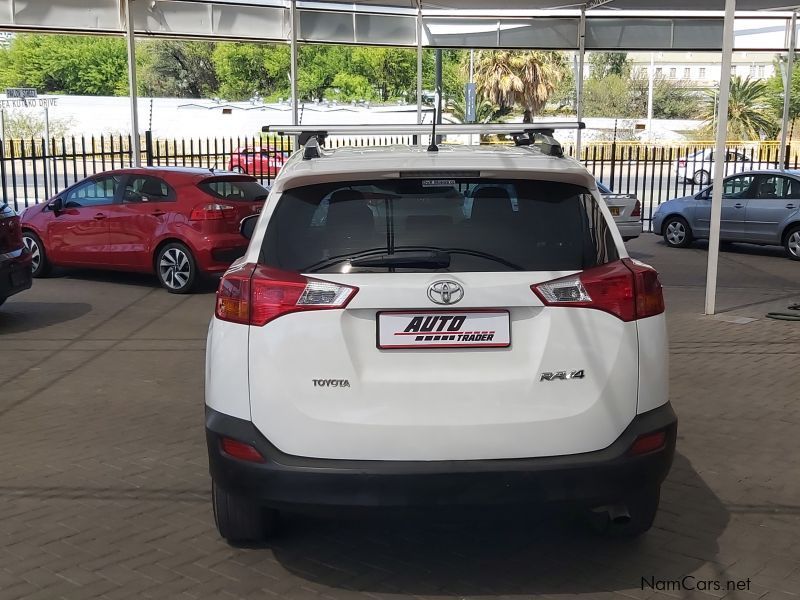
242, 195
527, 380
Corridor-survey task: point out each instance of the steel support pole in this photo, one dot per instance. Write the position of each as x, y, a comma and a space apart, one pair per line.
419, 68
136, 152
579, 80
787, 92
719, 157
293, 59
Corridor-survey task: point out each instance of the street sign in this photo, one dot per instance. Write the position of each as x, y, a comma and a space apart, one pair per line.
21, 93
469, 99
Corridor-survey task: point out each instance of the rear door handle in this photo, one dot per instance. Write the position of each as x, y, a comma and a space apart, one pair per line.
738, 205
99, 216
790, 206
158, 213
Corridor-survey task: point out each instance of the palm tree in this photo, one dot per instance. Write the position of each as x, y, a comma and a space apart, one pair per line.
749, 115
525, 79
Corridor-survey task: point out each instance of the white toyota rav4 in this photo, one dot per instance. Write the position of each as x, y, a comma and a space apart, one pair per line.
413, 327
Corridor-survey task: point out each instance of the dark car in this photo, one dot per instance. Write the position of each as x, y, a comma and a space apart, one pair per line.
15, 260
175, 222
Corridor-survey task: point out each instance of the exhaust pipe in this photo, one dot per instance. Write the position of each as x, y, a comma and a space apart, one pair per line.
618, 514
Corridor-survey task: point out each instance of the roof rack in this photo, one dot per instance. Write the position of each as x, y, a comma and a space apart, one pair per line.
539, 135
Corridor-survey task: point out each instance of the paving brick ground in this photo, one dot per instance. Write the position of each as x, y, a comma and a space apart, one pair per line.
104, 487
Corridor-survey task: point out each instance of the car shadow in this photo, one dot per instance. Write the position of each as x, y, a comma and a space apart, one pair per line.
204, 285
21, 316
505, 552
742, 248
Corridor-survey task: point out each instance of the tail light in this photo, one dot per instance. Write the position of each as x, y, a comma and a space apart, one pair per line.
626, 288
212, 211
637, 209
649, 442
256, 295
240, 450
682, 162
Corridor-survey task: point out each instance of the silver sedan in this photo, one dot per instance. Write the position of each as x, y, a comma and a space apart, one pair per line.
758, 207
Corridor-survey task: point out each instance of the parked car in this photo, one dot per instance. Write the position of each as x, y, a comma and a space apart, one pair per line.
759, 207
698, 166
257, 161
177, 222
15, 260
626, 210
382, 343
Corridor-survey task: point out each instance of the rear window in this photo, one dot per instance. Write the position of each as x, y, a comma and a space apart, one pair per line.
482, 224
236, 190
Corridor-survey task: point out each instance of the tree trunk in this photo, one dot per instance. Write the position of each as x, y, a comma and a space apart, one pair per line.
527, 116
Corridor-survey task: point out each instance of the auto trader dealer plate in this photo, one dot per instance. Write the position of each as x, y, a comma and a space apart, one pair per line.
444, 329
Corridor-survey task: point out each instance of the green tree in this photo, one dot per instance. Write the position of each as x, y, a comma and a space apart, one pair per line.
523, 79
775, 93
317, 67
83, 65
177, 68
244, 69
350, 86
749, 116
392, 71
604, 64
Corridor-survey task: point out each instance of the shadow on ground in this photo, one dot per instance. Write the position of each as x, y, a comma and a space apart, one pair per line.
205, 284
497, 552
20, 317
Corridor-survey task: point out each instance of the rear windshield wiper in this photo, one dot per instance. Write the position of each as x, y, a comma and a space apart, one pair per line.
406, 260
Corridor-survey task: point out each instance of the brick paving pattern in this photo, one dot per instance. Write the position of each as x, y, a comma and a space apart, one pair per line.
104, 491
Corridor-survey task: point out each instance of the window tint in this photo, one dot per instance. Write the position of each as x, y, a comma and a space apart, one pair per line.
777, 187
236, 190
95, 192
484, 225
144, 188
738, 187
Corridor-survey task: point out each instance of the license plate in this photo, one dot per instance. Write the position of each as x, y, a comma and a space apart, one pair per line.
614, 211
444, 329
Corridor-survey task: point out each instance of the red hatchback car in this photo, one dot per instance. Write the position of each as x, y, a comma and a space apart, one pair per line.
257, 161
176, 222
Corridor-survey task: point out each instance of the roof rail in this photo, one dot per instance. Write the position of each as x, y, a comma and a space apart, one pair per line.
539, 135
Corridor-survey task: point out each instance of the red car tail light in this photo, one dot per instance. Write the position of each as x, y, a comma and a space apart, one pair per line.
625, 288
649, 442
682, 162
637, 209
240, 450
256, 295
212, 211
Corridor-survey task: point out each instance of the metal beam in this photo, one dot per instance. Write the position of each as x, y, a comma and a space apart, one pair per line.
719, 158
293, 59
579, 80
787, 91
419, 65
136, 152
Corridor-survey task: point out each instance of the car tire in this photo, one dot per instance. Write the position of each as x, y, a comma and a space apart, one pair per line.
791, 243
642, 508
240, 520
176, 268
677, 232
2, 300
702, 177
40, 266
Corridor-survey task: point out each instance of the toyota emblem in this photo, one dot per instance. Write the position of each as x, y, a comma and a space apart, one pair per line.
445, 292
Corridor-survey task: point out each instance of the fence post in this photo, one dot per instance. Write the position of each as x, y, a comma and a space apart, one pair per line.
148, 147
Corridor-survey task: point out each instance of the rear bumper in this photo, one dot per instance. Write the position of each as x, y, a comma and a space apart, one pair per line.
214, 253
15, 272
590, 478
630, 229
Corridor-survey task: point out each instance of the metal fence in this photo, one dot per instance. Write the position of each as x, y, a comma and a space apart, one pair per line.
34, 170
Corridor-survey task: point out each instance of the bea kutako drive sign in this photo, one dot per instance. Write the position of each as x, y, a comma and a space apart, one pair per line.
444, 329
